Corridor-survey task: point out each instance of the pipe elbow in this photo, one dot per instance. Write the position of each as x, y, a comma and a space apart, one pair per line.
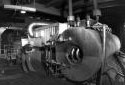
32, 25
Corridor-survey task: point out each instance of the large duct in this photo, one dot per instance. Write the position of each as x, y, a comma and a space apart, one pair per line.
32, 25
2, 29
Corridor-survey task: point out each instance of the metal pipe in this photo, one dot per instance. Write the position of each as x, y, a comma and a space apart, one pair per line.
104, 53
104, 40
70, 18
96, 11
95, 4
70, 8
32, 25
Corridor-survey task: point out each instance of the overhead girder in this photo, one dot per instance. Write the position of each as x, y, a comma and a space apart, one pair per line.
51, 3
77, 6
101, 5
39, 7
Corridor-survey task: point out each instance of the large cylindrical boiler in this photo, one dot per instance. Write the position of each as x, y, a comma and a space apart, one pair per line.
80, 51
85, 44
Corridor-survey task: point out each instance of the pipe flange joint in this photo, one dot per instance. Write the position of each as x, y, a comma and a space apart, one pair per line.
71, 18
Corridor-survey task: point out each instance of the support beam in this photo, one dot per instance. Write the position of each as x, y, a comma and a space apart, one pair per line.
81, 3
112, 4
102, 5
39, 7
78, 3
16, 26
51, 3
43, 8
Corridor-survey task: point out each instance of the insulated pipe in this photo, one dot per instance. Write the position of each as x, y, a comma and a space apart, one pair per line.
70, 17
70, 8
32, 25
104, 53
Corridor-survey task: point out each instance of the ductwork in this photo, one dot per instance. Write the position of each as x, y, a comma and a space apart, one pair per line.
2, 29
32, 25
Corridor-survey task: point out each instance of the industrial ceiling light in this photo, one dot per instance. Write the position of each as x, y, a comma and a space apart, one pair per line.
22, 12
17, 7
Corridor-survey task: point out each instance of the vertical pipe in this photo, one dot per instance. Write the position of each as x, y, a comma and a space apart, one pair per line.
104, 39
104, 53
96, 11
52, 30
70, 8
95, 4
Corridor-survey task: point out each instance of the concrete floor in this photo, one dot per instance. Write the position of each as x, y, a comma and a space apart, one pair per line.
13, 75
33, 79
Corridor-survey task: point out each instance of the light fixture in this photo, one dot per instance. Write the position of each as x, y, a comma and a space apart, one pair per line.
17, 7
22, 12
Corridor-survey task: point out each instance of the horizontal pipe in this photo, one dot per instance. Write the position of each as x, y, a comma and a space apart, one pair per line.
32, 25
20, 8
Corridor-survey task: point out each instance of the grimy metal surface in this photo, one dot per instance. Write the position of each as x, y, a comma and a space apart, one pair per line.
91, 44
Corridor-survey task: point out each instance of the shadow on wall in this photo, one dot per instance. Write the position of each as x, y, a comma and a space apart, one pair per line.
114, 18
